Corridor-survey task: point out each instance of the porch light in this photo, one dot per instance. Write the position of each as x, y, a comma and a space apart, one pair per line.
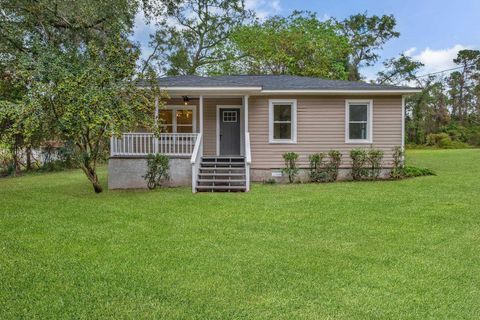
186, 99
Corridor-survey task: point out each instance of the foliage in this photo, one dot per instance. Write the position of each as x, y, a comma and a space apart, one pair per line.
195, 34
158, 170
317, 171
442, 140
448, 103
359, 160
58, 158
403, 68
324, 171
80, 70
398, 163
299, 44
374, 159
291, 168
366, 35
411, 171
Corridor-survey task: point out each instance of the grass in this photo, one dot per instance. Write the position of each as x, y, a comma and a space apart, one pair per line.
391, 249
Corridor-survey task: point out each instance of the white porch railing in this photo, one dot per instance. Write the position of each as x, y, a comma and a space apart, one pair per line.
195, 161
248, 160
138, 144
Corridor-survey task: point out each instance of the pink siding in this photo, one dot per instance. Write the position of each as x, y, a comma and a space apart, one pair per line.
321, 127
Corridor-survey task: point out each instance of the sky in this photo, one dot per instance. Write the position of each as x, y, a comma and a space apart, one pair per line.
431, 31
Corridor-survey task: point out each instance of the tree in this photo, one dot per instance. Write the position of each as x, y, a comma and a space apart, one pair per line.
401, 69
366, 35
465, 84
194, 35
78, 65
299, 44
91, 96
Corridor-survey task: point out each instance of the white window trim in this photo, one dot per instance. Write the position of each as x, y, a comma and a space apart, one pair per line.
369, 139
271, 103
174, 109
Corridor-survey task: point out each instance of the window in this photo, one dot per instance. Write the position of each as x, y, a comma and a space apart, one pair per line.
282, 121
358, 127
229, 116
178, 119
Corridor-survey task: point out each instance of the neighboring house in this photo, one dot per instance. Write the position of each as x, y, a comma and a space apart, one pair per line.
224, 131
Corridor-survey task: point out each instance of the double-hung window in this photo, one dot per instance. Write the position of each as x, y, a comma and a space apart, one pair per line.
358, 118
282, 121
178, 119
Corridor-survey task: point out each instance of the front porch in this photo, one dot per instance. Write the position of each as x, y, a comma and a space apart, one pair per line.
210, 133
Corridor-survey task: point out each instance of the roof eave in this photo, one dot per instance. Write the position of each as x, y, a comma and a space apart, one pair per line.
341, 91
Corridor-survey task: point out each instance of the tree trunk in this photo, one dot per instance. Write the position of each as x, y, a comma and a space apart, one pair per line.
29, 158
91, 174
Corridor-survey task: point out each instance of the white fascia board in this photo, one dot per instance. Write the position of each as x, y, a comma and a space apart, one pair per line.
207, 89
359, 92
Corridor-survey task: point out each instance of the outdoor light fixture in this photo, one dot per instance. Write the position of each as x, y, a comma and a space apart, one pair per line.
185, 100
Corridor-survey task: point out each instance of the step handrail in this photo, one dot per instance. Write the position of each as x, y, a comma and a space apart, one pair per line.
248, 161
195, 160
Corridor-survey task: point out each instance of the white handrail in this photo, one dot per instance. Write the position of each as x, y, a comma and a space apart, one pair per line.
195, 161
140, 144
248, 160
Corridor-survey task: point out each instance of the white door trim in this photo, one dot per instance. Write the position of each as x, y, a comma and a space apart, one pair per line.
224, 106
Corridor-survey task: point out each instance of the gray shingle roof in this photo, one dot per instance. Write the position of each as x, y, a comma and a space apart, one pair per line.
273, 82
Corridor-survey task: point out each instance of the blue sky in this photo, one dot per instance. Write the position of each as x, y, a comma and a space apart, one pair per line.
431, 31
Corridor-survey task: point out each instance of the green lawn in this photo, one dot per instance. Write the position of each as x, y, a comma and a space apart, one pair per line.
396, 249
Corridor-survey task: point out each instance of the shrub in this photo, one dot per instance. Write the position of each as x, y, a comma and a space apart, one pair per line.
359, 158
158, 167
374, 158
291, 168
439, 139
333, 165
444, 141
410, 171
397, 168
317, 171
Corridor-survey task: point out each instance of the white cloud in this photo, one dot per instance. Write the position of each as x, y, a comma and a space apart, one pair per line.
436, 60
264, 8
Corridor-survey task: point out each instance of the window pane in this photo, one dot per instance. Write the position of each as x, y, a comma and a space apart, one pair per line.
282, 112
358, 131
184, 129
167, 129
282, 131
358, 112
166, 116
184, 117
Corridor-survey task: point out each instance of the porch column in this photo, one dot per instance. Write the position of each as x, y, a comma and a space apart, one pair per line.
201, 114
245, 112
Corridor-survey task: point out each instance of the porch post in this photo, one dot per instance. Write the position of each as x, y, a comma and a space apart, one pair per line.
245, 112
201, 114
155, 139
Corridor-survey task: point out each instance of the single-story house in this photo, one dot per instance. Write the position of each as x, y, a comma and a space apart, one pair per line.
221, 132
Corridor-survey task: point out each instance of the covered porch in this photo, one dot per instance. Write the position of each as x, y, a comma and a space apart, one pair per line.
210, 131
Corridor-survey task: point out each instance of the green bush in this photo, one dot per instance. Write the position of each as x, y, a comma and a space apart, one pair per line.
324, 171
410, 171
444, 141
359, 159
397, 168
291, 168
317, 171
335, 158
374, 159
158, 167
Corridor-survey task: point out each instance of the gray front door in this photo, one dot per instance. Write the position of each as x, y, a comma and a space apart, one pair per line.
229, 131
